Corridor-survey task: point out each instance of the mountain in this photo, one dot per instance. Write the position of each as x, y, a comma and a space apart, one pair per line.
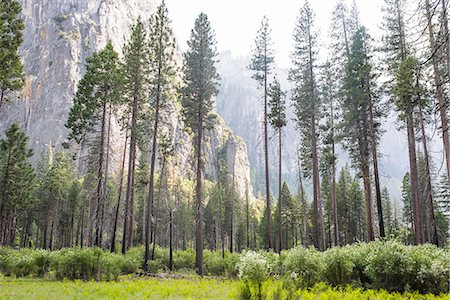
58, 37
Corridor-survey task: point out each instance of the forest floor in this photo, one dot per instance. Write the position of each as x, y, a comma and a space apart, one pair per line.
164, 288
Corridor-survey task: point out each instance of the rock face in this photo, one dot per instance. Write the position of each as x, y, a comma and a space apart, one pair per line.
58, 37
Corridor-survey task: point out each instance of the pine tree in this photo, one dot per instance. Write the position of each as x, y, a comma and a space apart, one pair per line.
11, 27
162, 45
406, 102
387, 211
307, 107
99, 90
135, 70
358, 105
16, 182
329, 94
277, 119
261, 64
439, 55
200, 85
443, 196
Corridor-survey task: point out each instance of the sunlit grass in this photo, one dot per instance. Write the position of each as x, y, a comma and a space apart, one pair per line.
187, 288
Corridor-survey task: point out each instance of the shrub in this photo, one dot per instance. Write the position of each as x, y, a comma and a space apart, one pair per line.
42, 261
303, 266
338, 266
387, 265
254, 269
428, 269
133, 260
87, 264
184, 259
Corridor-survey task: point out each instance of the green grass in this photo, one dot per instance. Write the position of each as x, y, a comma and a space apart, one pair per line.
189, 288
192, 288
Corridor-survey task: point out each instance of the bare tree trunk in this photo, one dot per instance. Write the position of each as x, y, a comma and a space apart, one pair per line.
414, 180
100, 174
119, 197
431, 221
280, 231
333, 177
266, 156
373, 142
247, 215
105, 185
319, 222
441, 104
198, 202
302, 201
368, 197
232, 209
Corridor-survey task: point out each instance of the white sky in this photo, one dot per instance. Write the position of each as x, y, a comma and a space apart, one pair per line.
237, 21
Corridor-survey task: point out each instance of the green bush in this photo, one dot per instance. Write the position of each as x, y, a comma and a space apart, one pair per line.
42, 261
338, 267
254, 269
184, 259
428, 269
132, 261
303, 265
387, 265
87, 264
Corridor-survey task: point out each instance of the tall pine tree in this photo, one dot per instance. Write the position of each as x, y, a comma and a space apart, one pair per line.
200, 86
261, 64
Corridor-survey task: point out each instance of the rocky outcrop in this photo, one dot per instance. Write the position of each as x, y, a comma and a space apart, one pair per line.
58, 37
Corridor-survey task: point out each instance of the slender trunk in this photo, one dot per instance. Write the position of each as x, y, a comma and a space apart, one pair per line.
100, 174
431, 221
333, 178
319, 222
247, 215
129, 199
373, 142
105, 185
266, 156
232, 209
280, 234
119, 197
302, 201
158, 200
198, 203
368, 198
151, 192
171, 240
2, 98
414, 180
441, 103
444, 5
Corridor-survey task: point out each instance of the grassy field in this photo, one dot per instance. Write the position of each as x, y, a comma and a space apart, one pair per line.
190, 288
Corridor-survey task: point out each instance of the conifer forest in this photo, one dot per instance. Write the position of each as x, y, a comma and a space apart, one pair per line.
313, 164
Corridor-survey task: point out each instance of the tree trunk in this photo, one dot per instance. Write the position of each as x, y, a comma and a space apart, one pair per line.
319, 222
280, 231
441, 103
119, 197
333, 178
431, 221
266, 156
198, 202
368, 197
373, 142
170, 240
99, 233
247, 215
232, 209
414, 180
100, 174
302, 201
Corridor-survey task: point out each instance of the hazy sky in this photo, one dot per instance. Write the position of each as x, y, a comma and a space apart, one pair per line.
237, 21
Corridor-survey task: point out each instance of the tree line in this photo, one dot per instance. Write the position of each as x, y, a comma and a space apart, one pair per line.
80, 198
